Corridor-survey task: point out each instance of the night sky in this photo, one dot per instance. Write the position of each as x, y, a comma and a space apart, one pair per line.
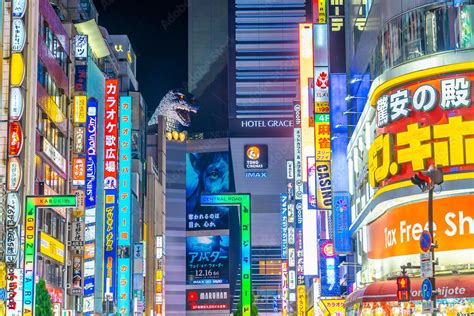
157, 30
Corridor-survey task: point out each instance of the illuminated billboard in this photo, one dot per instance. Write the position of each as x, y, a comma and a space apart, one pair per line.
111, 133
256, 156
91, 153
329, 263
342, 221
30, 245
125, 207
206, 173
110, 244
243, 201
207, 259
426, 122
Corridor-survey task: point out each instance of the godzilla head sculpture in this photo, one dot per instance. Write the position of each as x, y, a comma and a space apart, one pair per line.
177, 107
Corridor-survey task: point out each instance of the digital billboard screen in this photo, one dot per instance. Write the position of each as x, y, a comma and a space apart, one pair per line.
207, 259
206, 173
207, 299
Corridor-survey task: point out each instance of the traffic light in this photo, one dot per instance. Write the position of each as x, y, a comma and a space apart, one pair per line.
403, 289
427, 179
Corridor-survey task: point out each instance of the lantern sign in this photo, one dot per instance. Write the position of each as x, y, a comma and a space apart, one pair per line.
14, 174
16, 107
13, 210
18, 35
16, 139
18, 8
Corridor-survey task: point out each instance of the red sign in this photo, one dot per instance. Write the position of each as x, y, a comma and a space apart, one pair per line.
111, 134
16, 139
78, 171
56, 294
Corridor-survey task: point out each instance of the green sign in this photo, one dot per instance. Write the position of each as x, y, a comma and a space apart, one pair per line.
32, 203
243, 202
321, 118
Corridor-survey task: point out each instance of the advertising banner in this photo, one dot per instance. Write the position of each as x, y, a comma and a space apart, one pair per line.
125, 207
206, 172
329, 263
111, 133
91, 153
110, 244
397, 232
51, 247
403, 146
284, 288
284, 224
337, 36
207, 259
78, 171
342, 221
79, 136
81, 47
299, 242
322, 130
80, 78
79, 109
321, 90
207, 299
301, 302
76, 287
14, 292
323, 185
77, 235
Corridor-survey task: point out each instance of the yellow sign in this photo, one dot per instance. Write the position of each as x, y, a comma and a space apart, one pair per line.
301, 300
322, 134
17, 70
51, 247
332, 307
322, 11
79, 109
446, 144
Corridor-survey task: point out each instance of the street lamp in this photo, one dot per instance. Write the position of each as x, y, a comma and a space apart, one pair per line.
426, 181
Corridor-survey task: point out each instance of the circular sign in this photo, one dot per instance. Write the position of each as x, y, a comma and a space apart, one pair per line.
16, 139
253, 153
426, 289
327, 249
425, 241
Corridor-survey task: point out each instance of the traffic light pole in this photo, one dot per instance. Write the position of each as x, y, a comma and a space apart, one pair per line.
430, 228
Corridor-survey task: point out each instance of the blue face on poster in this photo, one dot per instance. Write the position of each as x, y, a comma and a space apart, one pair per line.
207, 259
206, 173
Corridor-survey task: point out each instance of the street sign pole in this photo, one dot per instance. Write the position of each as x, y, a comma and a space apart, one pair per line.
432, 248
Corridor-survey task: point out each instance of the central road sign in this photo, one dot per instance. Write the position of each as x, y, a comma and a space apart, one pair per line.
426, 241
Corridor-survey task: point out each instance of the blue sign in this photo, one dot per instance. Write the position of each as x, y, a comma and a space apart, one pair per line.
110, 243
256, 174
89, 285
124, 205
207, 259
426, 290
284, 224
80, 78
329, 265
91, 153
342, 221
425, 241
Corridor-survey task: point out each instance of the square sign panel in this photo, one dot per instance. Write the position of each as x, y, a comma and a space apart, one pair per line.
256, 156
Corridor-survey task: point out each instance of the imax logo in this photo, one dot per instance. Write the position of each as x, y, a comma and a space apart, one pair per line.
260, 175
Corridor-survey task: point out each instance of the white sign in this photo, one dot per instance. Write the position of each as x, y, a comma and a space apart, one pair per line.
89, 233
81, 46
54, 155
291, 257
13, 210
88, 305
426, 265
16, 104
298, 143
18, 35
18, 8
90, 216
292, 280
14, 292
290, 169
77, 235
427, 306
15, 174
89, 269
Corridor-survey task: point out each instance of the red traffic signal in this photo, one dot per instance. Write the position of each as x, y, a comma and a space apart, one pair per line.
403, 289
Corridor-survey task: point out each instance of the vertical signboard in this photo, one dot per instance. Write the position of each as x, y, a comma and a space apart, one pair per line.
301, 305
284, 224
284, 288
337, 42
329, 262
110, 186
81, 47
322, 131
30, 248
111, 134
323, 185
124, 207
91, 153
243, 201
342, 221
